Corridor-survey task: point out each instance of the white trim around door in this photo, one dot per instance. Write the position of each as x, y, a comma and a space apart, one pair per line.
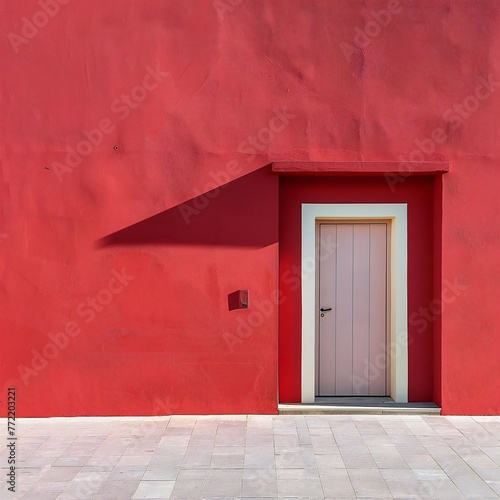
396, 215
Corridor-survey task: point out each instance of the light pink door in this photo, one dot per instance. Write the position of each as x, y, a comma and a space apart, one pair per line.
352, 336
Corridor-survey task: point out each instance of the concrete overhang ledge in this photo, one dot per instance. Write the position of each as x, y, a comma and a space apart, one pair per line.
382, 168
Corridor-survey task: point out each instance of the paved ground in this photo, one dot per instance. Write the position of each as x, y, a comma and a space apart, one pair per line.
325, 456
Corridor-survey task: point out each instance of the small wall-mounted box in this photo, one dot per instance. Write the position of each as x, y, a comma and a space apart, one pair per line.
238, 300
243, 299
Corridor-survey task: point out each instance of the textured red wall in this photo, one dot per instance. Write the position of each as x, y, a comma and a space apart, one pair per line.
418, 193
115, 112
148, 328
471, 263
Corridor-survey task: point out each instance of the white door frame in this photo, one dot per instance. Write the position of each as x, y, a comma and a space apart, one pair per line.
396, 213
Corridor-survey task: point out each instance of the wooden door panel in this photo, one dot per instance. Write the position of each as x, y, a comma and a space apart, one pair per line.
352, 337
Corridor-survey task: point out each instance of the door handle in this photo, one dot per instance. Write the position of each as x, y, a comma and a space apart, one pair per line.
323, 309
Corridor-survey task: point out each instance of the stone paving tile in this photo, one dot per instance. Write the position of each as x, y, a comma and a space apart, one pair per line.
60, 474
421, 461
398, 474
255, 459
259, 456
494, 485
369, 483
103, 461
259, 488
336, 483
406, 489
154, 489
330, 461
37, 494
133, 460
160, 473
442, 490
127, 473
290, 460
292, 487
117, 488
226, 461
359, 461
221, 482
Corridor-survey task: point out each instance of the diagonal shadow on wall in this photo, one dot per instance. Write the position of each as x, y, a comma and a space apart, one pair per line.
243, 212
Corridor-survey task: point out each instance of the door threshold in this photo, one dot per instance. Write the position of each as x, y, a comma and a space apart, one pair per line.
353, 405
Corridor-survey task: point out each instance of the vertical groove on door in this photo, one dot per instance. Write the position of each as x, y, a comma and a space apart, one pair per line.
369, 305
352, 309
360, 335
336, 309
327, 298
386, 321
343, 372
378, 309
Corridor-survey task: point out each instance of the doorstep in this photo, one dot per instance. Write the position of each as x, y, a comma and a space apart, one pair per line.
358, 405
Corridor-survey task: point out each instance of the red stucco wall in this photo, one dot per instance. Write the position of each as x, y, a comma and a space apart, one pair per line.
157, 98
